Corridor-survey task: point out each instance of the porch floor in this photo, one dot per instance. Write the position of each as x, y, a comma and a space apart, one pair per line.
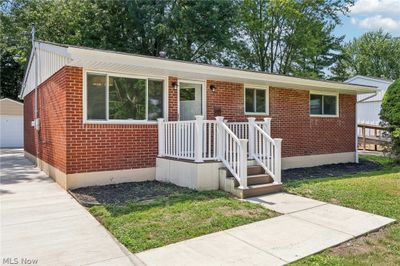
307, 227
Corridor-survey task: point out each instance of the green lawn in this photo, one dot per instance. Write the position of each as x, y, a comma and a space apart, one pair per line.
176, 217
376, 192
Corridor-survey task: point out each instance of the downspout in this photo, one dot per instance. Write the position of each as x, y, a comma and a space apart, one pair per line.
356, 140
36, 120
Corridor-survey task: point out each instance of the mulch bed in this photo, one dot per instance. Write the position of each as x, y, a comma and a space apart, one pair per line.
149, 190
330, 170
125, 192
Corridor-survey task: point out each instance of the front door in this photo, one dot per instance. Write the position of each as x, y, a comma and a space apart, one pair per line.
190, 100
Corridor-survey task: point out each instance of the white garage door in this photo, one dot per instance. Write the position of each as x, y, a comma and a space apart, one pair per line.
11, 131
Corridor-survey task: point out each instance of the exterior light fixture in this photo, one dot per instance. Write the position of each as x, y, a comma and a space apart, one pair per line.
213, 88
175, 85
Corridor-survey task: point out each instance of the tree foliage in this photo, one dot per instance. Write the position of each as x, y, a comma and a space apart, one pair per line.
390, 115
293, 37
289, 37
185, 29
375, 54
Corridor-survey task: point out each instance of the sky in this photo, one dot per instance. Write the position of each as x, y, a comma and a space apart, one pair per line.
371, 15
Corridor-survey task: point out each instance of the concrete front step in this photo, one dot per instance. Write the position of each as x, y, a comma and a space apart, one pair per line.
257, 190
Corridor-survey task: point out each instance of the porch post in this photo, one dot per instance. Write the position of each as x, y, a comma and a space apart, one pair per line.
278, 160
252, 122
161, 137
220, 138
243, 164
267, 125
198, 139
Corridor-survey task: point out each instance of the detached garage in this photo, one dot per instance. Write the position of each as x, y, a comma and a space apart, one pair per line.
12, 124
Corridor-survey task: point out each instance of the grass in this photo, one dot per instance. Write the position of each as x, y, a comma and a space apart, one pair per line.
375, 192
168, 219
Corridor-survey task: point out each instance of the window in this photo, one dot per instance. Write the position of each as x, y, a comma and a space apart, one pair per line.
96, 97
325, 105
256, 100
111, 97
187, 94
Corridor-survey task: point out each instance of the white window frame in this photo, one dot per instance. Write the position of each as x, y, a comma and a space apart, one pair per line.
336, 94
257, 87
122, 121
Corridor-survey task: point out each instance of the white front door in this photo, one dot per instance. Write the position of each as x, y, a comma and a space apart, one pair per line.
190, 100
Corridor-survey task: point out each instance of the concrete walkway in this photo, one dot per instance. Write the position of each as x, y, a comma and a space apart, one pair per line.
40, 221
307, 227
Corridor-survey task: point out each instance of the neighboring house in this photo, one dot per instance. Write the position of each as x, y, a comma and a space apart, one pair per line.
369, 105
11, 124
99, 121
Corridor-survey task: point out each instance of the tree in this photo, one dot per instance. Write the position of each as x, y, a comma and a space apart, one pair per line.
187, 30
390, 115
200, 30
375, 54
11, 76
289, 37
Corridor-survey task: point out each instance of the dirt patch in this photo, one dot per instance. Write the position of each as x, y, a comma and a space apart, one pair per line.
246, 212
125, 192
360, 245
331, 170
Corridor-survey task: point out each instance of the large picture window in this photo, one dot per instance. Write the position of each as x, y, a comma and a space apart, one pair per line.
110, 97
323, 105
256, 100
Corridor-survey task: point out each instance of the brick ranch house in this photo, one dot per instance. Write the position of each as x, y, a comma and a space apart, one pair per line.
94, 117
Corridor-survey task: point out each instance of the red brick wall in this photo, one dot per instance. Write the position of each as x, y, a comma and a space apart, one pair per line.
74, 147
291, 121
52, 135
101, 147
305, 135
172, 100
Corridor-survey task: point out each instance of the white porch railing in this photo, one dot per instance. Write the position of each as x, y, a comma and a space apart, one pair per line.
232, 151
232, 143
264, 149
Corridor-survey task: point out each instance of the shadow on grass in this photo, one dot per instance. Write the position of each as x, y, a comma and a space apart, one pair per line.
118, 209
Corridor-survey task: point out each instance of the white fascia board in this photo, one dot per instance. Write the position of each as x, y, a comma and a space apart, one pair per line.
368, 78
59, 50
79, 56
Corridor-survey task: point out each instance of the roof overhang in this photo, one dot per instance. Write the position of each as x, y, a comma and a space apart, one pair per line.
124, 63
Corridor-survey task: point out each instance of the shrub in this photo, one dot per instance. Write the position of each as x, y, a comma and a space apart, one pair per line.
390, 115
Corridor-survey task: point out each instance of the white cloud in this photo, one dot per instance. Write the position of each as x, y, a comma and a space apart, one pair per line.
378, 22
376, 6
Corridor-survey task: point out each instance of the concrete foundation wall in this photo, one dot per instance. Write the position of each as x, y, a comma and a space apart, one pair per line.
71, 181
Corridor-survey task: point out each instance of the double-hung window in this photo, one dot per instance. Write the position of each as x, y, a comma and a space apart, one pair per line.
256, 100
116, 98
324, 104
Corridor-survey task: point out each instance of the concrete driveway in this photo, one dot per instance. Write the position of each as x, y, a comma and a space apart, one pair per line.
41, 222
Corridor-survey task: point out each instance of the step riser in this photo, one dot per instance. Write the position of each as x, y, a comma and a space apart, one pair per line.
251, 170
254, 192
257, 180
